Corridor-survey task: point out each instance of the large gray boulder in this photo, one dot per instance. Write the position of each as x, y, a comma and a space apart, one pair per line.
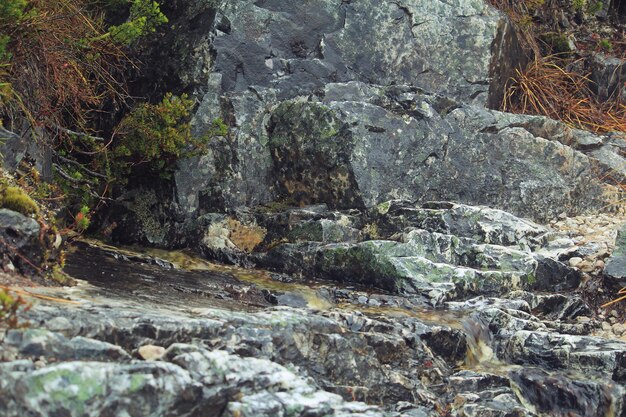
359, 146
444, 47
354, 103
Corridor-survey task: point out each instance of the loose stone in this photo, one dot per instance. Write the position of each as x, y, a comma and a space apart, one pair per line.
575, 261
151, 352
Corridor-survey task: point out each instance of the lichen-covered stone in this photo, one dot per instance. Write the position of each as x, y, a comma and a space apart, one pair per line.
36, 343
439, 46
96, 389
441, 251
418, 151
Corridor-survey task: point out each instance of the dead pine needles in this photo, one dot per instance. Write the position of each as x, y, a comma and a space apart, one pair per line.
546, 87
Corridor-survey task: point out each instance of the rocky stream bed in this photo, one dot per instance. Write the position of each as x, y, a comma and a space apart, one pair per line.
452, 310
388, 244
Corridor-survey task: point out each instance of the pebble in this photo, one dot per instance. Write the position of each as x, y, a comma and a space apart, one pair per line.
583, 319
151, 352
619, 328
606, 326
597, 230
461, 399
7, 356
586, 266
575, 261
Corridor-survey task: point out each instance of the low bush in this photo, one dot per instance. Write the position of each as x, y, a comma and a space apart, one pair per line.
157, 135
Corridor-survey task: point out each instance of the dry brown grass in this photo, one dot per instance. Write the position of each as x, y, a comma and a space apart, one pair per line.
547, 88
59, 69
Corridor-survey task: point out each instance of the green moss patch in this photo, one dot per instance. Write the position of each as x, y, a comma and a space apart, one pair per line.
14, 198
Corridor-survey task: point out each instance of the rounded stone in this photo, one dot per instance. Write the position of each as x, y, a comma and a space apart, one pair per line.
151, 352
575, 261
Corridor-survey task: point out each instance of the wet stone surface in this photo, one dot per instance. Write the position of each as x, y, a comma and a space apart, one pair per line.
350, 292
275, 344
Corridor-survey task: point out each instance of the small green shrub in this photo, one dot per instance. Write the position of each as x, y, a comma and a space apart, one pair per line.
11, 11
158, 135
5, 55
10, 310
82, 219
579, 5
557, 42
145, 17
595, 7
605, 45
534, 5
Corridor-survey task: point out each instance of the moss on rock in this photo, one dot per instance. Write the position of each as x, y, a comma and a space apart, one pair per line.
14, 198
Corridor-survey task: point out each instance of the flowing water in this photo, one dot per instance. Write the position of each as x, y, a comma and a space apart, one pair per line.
177, 279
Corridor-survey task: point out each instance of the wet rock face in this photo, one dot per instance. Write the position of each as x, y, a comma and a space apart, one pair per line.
20, 247
215, 343
190, 381
322, 108
221, 360
615, 270
294, 49
400, 143
83, 359
355, 146
565, 397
